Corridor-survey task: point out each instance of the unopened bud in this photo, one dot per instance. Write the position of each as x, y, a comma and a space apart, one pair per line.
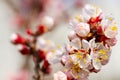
24, 49
48, 22
17, 39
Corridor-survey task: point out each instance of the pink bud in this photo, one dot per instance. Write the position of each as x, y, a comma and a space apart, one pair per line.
17, 39
24, 49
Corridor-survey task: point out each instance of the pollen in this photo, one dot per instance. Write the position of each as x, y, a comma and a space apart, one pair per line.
53, 51
78, 18
76, 68
98, 60
84, 60
89, 34
105, 57
79, 56
114, 28
65, 69
59, 46
110, 18
103, 51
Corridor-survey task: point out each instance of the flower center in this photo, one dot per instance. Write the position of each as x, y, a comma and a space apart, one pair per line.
76, 68
114, 28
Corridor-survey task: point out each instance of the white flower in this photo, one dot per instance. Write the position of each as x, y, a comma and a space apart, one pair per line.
75, 71
111, 31
81, 56
75, 21
109, 26
48, 22
99, 55
78, 59
75, 43
85, 45
44, 44
55, 56
90, 11
52, 58
60, 76
82, 29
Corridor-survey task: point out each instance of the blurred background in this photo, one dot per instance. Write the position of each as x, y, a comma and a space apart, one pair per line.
10, 59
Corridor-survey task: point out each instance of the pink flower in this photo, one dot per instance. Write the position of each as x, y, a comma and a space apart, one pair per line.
60, 76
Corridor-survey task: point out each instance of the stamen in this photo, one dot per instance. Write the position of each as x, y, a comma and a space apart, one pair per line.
114, 28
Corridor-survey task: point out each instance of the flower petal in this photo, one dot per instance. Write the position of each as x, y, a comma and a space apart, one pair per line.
85, 44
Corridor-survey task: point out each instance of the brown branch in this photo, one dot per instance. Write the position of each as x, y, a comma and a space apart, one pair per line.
38, 73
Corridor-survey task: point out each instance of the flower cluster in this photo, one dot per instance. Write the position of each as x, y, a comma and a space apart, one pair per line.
37, 47
92, 36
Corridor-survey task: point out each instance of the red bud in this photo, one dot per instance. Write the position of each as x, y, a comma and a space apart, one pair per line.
41, 54
46, 64
17, 39
29, 32
41, 29
24, 49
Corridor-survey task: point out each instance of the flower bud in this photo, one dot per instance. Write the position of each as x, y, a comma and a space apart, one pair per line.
41, 54
17, 39
82, 29
24, 49
46, 67
29, 32
48, 22
41, 29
